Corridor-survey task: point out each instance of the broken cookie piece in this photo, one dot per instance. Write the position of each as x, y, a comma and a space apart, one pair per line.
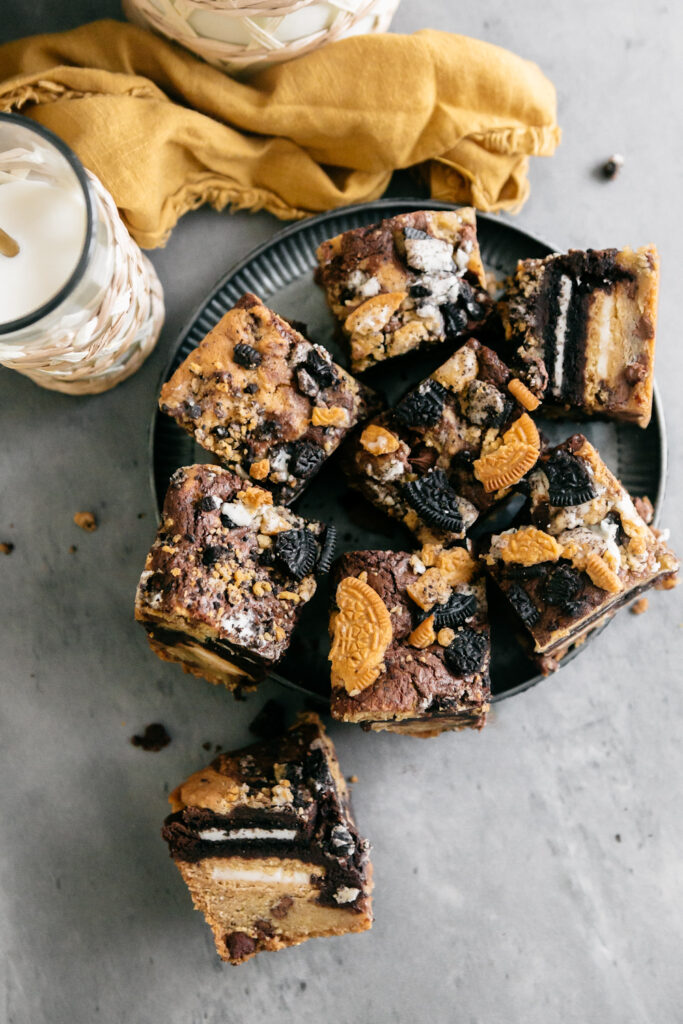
269, 404
227, 576
412, 281
453, 448
583, 326
266, 843
583, 553
410, 641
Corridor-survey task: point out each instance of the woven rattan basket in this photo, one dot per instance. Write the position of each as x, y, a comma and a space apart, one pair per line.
239, 36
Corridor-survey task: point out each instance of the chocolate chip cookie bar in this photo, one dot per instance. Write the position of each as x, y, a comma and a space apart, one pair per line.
227, 576
269, 404
410, 641
583, 324
408, 282
450, 450
267, 846
584, 552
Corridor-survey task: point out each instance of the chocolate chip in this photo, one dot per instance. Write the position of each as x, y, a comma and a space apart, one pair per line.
247, 356
467, 653
456, 611
227, 522
263, 928
523, 605
419, 291
153, 739
281, 908
296, 551
435, 501
422, 407
568, 479
219, 432
240, 945
251, 389
213, 554
306, 459
193, 411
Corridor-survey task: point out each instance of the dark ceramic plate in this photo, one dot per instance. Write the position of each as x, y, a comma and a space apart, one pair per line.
281, 272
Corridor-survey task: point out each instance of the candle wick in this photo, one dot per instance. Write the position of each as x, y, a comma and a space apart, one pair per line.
8, 245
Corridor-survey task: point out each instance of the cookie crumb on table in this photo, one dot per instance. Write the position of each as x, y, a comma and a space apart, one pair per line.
86, 521
640, 606
154, 738
6, 548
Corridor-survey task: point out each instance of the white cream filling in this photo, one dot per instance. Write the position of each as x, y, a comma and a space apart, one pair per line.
218, 835
605, 336
561, 334
429, 254
346, 894
276, 876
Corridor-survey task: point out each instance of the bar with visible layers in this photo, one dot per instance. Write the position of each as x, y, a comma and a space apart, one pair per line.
584, 551
266, 843
581, 327
410, 641
409, 282
227, 576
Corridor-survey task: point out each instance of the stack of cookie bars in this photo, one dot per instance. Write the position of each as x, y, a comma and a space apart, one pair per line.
264, 838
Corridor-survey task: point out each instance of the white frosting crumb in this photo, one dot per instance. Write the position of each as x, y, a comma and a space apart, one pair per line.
238, 513
346, 894
429, 254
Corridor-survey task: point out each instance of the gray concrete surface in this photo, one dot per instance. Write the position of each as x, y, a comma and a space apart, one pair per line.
528, 875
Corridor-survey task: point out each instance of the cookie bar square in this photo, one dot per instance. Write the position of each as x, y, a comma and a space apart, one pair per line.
583, 324
451, 449
584, 552
269, 404
408, 282
227, 576
410, 640
265, 842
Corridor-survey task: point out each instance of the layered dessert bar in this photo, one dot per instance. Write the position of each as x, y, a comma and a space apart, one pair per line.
584, 552
410, 281
451, 449
410, 641
227, 576
269, 404
266, 843
583, 325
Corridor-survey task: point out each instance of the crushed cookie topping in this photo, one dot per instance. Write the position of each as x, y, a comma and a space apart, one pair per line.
528, 546
379, 441
423, 635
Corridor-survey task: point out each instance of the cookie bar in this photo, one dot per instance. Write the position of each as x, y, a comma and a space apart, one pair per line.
227, 576
269, 404
584, 552
450, 450
410, 281
267, 846
584, 327
410, 641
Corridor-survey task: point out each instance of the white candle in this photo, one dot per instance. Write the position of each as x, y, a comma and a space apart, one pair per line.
48, 220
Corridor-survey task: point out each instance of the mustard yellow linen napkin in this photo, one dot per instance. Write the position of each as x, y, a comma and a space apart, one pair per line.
166, 132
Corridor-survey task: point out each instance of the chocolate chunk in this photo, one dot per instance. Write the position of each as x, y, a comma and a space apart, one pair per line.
193, 410
467, 653
213, 554
153, 739
219, 432
422, 407
296, 551
227, 522
455, 611
435, 501
239, 945
562, 585
568, 479
281, 908
251, 388
455, 320
306, 459
523, 605
247, 356
264, 929
635, 372
327, 553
